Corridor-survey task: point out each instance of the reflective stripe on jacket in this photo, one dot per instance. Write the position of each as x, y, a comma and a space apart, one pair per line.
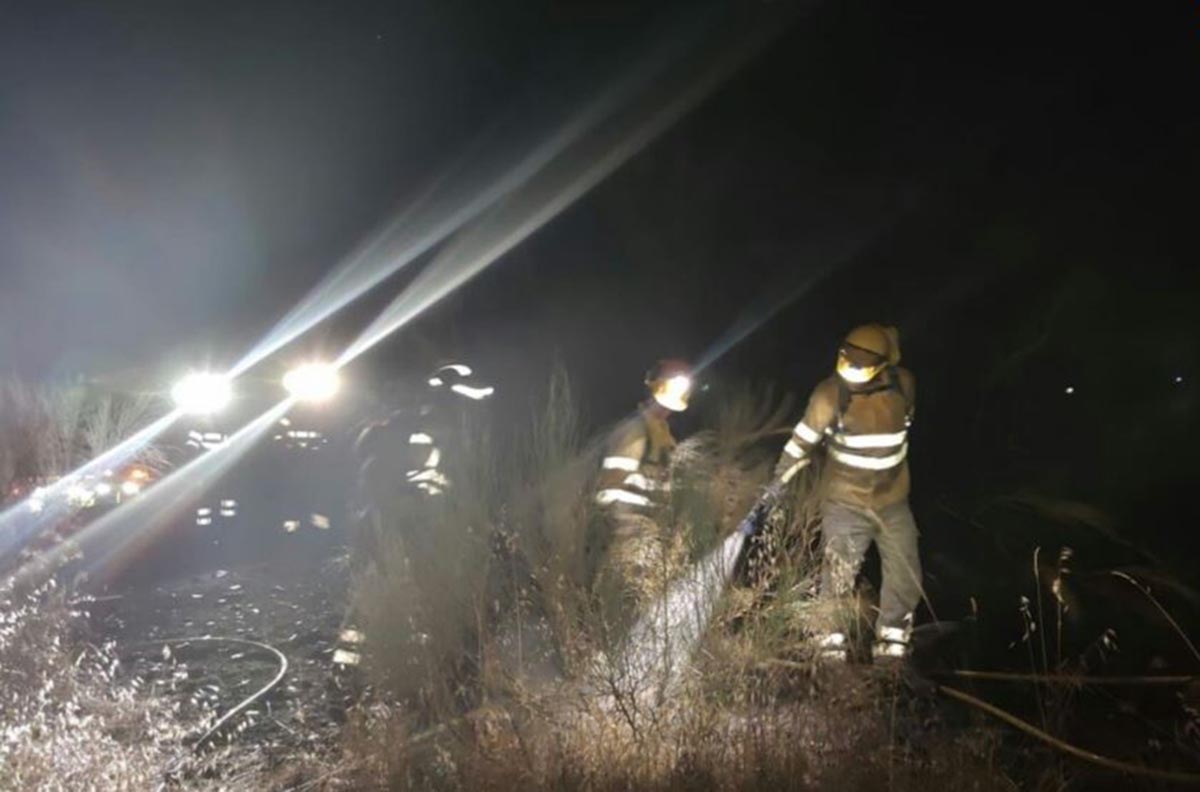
865, 432
633, 469
428, 478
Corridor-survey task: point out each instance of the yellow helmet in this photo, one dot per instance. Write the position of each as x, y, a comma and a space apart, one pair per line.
868, 350
670, 384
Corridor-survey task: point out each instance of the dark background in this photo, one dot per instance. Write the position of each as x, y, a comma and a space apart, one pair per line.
1013, 185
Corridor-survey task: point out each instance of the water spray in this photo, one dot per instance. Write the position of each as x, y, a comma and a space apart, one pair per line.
661, 642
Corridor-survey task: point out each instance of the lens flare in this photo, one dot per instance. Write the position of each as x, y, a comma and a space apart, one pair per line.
561, 182
492, 170
505, 203
113, 541
46, 505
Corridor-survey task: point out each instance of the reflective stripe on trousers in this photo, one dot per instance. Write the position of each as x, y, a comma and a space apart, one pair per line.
847, 533
612, 495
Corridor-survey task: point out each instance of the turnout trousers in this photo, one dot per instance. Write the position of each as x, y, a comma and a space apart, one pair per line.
847, 533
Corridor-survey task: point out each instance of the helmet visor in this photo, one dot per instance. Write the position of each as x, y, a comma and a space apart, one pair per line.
858, 369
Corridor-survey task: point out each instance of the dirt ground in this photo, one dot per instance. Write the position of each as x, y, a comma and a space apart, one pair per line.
294, 607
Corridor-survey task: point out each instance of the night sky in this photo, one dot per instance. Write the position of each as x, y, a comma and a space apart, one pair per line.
1014, 187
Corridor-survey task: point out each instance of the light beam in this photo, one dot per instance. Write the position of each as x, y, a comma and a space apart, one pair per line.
553, 189
19, 523
474, 183
112, 539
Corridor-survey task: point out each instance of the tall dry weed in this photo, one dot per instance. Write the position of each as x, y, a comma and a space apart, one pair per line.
729, 719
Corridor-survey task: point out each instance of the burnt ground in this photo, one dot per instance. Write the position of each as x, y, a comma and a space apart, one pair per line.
293, 606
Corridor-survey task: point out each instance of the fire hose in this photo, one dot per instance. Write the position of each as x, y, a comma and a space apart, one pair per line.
752, 524
249, 700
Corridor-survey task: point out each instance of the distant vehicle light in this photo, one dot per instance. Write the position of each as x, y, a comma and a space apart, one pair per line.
202, 393
103, 489
312, 382
130, 487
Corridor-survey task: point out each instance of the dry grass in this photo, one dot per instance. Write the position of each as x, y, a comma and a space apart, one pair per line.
492, 663
75, 717
496, 668
70, 720
47, 430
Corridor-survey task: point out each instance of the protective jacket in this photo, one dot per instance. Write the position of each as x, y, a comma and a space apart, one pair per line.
633, 471
865, 431
401, 455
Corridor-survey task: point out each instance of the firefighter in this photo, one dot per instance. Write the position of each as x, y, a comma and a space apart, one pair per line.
405, 454
632, 486
388, 458
402, 473
861, 415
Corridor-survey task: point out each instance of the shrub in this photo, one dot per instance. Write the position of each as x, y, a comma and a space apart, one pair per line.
499, 671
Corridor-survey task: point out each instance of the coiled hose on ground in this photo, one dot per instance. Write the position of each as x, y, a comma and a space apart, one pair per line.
249, 700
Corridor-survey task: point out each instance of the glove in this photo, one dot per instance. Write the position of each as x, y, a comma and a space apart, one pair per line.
751, 523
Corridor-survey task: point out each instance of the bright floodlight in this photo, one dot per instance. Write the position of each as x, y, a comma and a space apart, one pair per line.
312, 382
202, 393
